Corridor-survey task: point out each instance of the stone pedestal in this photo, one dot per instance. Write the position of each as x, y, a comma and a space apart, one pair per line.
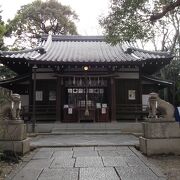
160, 137
13, 136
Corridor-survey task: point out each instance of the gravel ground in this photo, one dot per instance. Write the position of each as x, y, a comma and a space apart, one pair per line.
6, 168
170, 165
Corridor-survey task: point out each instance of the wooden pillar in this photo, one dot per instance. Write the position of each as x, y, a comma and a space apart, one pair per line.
140, 89
30, 93
59, 99
113, 100
141, 84
34, 68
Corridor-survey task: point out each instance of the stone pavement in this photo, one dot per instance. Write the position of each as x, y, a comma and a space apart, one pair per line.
84, 140
87, 163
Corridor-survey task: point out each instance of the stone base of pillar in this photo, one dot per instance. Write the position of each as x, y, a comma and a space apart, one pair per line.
13, 136
160, 137
11, 130
19, 147
160, 146
161, 129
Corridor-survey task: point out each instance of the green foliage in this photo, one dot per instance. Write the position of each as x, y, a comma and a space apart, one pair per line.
6, 73
4, 96
130, 20
2, 33
126, 21
172, 73
40, 17
172, 70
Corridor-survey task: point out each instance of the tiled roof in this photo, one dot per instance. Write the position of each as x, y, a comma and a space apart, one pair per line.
63, 49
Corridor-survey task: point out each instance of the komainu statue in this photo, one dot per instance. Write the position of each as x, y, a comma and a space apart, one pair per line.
10, 107
159, 107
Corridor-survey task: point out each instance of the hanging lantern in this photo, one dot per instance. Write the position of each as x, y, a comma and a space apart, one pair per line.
102, 81
86, 113
74, 81
69, 81
98, 81
90, 82
80, 81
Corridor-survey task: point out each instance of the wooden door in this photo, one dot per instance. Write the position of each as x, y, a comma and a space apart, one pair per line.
128, 95
127, 91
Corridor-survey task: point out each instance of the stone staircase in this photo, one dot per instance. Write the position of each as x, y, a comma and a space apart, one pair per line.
97, 128
88, 128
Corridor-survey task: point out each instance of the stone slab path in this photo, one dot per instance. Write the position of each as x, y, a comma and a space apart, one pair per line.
86, 163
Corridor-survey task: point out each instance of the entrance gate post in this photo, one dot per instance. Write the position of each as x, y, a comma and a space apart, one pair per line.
113, 100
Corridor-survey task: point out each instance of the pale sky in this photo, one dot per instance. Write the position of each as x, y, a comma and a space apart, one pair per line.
87, 10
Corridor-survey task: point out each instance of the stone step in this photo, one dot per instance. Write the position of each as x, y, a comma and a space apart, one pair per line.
89, 132
77, 140
85, 131
126, 127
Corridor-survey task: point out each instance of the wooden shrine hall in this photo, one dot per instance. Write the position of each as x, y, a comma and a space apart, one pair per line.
83, 79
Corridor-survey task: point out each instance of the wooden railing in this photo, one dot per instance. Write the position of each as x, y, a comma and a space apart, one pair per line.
131, 111
42, 112
123, 112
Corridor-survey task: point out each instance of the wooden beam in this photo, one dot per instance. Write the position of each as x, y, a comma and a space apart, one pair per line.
89, 75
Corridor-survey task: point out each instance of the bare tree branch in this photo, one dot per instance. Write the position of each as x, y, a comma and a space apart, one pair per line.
165, 10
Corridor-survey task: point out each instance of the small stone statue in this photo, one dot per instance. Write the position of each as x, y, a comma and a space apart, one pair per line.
15, 106
152, 105
11, 108
160, 107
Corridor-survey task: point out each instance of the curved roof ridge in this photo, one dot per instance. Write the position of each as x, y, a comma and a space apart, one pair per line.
39, 49
48, 43
73, 38
128, 48
148, 51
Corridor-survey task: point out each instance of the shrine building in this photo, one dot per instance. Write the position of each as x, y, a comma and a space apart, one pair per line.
84, 79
